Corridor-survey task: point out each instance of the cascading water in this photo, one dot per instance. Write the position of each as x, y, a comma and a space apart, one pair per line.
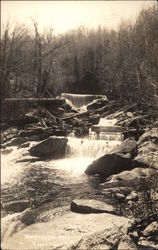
68, 174
106, 130
81, 152
80, 101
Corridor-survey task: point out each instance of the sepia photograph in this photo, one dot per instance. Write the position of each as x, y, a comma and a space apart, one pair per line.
79, 125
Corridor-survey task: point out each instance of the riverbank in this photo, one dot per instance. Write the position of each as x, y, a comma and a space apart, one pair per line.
41, 193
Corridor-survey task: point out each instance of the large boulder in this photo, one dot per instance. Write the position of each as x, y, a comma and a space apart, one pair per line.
72, 231
51, 147
85, 206
118, 160
110, 164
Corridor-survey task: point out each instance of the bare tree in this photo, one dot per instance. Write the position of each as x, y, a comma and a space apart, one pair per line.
11, 43
46, 48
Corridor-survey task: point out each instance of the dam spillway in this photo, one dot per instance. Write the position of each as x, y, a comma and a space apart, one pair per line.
80, 100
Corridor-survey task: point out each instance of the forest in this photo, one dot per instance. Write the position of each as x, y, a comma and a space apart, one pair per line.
119, 64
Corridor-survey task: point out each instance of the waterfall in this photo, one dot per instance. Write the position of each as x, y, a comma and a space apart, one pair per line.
78, 100
106, 130
81, 153
89, 148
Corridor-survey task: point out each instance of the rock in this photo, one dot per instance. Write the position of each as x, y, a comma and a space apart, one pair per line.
131, 178
151, 135
109, 192
147, 244
16, 222
51, 147
61, 111
126, 243
16, 206
16, 141
23, 120
120, 197
147, 147
24, 145
151, 230
35, 138
146, 160
29, 132
127, 146
70, 230
132, 196
147, 150
94, 119
110, 164
7, 151
90, 206
134, 235
2, 146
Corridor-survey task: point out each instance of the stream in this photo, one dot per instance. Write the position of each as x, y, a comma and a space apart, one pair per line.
38, 191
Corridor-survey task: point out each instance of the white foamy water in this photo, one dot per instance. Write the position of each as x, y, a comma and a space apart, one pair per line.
81, 153
9, 169
78, 147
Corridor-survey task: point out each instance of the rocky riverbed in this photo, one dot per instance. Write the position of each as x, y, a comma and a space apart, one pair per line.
65, 189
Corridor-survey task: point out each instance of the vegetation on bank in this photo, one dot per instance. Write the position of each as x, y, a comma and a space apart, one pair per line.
118, 63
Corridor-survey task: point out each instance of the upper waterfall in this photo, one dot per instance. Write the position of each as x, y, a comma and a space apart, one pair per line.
80, 100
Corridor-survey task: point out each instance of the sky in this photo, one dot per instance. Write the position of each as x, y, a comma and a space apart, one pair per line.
66, 15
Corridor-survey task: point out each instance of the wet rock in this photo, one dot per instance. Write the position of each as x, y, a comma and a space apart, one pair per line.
151, 230
110, 164
7, 151
90, 206
151, 135
118, 160
16, 206
51, 147
127, 146
72, 231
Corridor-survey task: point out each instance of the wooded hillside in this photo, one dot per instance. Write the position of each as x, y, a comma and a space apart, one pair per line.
122, 63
